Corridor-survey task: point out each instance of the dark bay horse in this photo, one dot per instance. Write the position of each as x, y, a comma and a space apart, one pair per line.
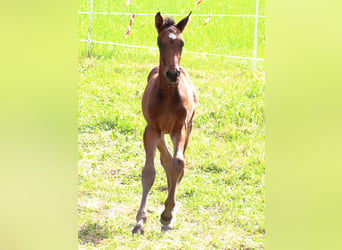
168, 105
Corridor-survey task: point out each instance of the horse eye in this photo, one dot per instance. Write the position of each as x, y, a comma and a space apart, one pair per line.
182, 43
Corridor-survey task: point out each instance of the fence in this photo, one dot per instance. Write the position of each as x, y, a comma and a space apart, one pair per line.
256, 16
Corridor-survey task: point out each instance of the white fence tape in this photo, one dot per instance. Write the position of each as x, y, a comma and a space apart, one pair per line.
150, 14
190, 52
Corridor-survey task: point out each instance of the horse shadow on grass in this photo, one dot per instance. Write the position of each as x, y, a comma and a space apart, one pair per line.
121, 124
93, 233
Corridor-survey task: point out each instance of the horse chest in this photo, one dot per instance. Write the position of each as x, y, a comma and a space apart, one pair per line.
168, 114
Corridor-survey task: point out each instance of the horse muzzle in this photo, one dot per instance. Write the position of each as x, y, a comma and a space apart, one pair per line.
173, 76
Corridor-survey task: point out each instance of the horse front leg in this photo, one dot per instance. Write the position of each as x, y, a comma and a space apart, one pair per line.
151, 139
165, 157
175, 174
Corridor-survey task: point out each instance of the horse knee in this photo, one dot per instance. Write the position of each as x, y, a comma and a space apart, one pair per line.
178, 163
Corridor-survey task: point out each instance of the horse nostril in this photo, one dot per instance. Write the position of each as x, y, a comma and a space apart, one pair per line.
172, 76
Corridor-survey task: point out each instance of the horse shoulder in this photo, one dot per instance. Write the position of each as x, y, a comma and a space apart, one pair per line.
149, 89
153, 74
190, 88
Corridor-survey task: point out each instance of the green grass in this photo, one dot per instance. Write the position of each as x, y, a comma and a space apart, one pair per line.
222, 35
221, 197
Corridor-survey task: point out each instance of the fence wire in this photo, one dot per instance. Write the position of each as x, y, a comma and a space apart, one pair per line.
256, 16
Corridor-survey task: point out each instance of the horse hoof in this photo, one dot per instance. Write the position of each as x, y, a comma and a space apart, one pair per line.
138, 228
165, 229
164, 220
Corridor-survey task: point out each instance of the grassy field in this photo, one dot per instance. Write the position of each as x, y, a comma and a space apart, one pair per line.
221, 197
222, 35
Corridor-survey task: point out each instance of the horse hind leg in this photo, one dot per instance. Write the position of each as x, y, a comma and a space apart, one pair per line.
165, 157
187, 137
151, 139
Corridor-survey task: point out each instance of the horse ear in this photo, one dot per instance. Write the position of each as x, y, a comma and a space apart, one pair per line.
158, 20
182, 23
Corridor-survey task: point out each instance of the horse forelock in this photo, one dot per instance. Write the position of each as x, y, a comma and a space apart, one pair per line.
168, 21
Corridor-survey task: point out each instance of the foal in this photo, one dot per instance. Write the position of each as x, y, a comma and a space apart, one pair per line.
168, 106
